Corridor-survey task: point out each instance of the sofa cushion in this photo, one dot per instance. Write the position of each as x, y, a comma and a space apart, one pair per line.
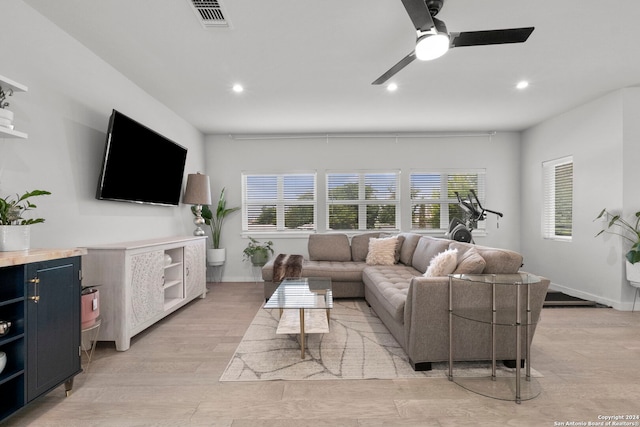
500, 261
427, 248
408, 247
339, 271
471, 262
360, 246
382, 251
442, 264
390, 284
497, 261
329, 247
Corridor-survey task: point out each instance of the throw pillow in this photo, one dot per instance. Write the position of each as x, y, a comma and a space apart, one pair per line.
471, 262
382, 251
442, 264
399, 243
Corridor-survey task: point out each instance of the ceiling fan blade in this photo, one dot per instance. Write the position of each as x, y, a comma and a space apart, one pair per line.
419, 14
395, 69
480, 38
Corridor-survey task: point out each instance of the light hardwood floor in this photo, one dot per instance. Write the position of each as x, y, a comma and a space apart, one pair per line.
590, 359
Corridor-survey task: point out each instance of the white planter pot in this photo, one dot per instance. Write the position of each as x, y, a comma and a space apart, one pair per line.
216, 256
6, 118
14, 237
633, 274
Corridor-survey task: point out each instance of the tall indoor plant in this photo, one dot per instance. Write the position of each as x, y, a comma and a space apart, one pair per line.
630, 232
216, 255
15, 230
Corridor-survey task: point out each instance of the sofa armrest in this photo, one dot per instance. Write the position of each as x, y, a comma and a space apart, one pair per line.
426, 317
267, 270
426, 314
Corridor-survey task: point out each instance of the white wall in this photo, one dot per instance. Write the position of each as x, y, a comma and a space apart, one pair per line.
227, 158
606, 152
66, 112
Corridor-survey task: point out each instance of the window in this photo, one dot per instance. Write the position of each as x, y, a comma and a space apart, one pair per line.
279, 202
363, 200
557, 212
433, 196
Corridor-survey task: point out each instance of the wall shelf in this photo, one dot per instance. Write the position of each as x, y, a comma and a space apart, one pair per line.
6, 83
10, 133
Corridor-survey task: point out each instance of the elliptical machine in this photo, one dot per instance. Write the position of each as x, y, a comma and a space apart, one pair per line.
474, 212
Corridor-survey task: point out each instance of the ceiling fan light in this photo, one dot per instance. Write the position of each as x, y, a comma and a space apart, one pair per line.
431, 46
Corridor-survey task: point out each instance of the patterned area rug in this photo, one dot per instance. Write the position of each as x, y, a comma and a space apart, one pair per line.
358, 346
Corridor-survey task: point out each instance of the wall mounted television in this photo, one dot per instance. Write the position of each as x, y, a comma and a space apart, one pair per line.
140, 165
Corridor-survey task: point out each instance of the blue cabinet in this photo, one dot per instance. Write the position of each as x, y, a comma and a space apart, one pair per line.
53, 324
42, 302
12, 309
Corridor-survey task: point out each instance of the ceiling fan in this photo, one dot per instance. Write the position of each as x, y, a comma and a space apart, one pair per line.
434, 40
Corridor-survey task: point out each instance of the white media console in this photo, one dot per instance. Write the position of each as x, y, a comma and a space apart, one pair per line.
142, 282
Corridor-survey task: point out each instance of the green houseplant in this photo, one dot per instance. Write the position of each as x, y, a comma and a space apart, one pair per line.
216, 255
629, 231
12, 208
15, 230
258, 253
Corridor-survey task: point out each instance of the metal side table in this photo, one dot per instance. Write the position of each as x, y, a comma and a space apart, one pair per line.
89, 336
513, 310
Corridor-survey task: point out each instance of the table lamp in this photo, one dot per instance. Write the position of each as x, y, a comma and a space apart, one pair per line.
197, 193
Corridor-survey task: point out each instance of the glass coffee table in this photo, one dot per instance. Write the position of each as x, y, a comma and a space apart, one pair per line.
304, 305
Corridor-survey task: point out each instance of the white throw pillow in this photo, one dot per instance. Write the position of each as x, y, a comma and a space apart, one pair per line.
382, 251
442, 264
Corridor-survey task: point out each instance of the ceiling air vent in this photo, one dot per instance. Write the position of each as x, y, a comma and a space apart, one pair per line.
209, 12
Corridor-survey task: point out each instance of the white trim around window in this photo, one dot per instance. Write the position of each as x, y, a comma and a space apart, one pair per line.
279, 202
363, 200
433, 196
557, 199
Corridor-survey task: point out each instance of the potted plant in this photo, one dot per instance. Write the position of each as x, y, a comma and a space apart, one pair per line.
15, 231
258, 253
629, 231
216, 255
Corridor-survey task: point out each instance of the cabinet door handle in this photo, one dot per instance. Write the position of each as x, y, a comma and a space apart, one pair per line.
36, 294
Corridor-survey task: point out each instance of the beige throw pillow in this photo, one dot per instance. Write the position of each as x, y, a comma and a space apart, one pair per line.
471, 262
382, 251
442, 264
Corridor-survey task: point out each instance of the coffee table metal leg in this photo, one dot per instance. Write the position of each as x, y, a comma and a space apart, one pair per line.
302, 344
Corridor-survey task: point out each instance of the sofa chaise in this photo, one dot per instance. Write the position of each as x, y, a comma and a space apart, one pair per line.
414, 307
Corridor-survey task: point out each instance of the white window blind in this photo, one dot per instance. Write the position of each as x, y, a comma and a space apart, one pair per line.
433, 196
363, 200
279, 202
557, 212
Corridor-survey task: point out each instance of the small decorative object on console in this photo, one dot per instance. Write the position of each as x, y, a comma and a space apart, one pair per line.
4, 327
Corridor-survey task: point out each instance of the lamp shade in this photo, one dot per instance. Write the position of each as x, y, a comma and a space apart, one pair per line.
198, 191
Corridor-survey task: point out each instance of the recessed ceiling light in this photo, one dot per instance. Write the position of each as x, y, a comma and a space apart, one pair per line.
392, 87
237, 88
522, 84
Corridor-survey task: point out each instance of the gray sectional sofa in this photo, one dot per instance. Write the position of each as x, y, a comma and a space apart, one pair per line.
413, 307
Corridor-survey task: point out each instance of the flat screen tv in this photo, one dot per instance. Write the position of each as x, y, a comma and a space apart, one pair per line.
140, 165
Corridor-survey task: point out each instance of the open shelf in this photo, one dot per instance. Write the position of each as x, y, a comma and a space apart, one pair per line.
174, 278
14, 86
9, 133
